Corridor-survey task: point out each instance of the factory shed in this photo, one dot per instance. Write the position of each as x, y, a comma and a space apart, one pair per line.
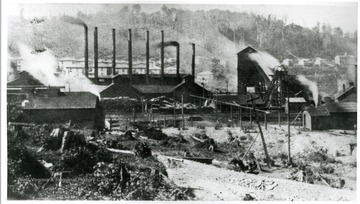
81, 108
172, 87
296, 104
348, 95
250, 74
331, 116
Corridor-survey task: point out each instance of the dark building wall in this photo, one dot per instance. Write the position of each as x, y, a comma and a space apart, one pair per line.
335, 121
188, 89
344, 120
87, 116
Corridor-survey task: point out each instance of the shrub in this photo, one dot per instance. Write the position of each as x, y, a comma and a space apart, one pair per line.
78, 160
327, 169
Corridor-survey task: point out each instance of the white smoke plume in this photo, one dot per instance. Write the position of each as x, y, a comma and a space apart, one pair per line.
43, 67
265, 61
312, 87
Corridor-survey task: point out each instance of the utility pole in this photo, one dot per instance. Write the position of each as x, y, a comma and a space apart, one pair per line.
288, 120
182, 111
268, 161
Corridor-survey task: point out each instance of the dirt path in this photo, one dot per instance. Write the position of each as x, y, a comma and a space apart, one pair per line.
215, 184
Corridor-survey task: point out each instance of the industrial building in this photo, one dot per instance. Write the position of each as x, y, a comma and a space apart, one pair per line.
271, 84
332, 115
146, 85
49, 104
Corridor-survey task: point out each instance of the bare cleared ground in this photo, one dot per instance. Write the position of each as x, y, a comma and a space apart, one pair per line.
214, 183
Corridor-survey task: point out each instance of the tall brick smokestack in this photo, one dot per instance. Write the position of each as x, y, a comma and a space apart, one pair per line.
162, 57
96, 54
114, 52
178, 62
86, 51
193, 61
130, 56
147, 56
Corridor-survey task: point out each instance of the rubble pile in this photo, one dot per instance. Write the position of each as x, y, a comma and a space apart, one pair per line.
99, 173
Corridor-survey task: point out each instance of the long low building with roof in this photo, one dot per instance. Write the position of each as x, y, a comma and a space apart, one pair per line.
331, 115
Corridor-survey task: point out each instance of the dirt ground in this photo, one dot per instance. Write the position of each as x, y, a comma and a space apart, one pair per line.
213, 183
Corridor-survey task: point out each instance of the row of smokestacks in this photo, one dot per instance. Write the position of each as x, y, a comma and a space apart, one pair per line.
163, 44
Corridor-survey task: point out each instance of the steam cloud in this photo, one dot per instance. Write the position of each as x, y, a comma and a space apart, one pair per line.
312, 87
265, 61
43, 67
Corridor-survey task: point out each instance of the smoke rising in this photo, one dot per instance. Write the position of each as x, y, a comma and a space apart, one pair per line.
74, 21
312, 87
43, 67
265, 61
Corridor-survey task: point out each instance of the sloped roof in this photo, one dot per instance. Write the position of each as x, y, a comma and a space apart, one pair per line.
154, 88
247, 50
349, 89
69, 100
343, 107
24, 79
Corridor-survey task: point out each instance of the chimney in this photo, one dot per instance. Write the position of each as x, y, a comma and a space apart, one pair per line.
178, 62
162, 57
86, 52
343, 87
147, 56
193, 61
114, 52
96, 55
355, 67
130, 56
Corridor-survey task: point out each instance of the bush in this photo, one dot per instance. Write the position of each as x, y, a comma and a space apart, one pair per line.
22, 163
327, 169
78, 160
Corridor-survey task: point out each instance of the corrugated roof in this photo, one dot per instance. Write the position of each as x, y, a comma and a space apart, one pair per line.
69, 100
154, 88
348, 107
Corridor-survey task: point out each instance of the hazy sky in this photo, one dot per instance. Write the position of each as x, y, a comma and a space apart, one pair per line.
336, 14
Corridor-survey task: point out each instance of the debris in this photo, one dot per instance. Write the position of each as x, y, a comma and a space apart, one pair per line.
142, 149
248, 197
47, 165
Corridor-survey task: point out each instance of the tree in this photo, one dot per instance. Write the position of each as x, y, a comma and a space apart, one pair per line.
338, 32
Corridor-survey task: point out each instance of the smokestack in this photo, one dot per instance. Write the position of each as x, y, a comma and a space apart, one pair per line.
355, 75
147, 56
86, 52
114, 52
162, 56
96, 55
193, 60
178, 62
130, 56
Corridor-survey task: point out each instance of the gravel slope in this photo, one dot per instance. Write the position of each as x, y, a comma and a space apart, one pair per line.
211, 183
